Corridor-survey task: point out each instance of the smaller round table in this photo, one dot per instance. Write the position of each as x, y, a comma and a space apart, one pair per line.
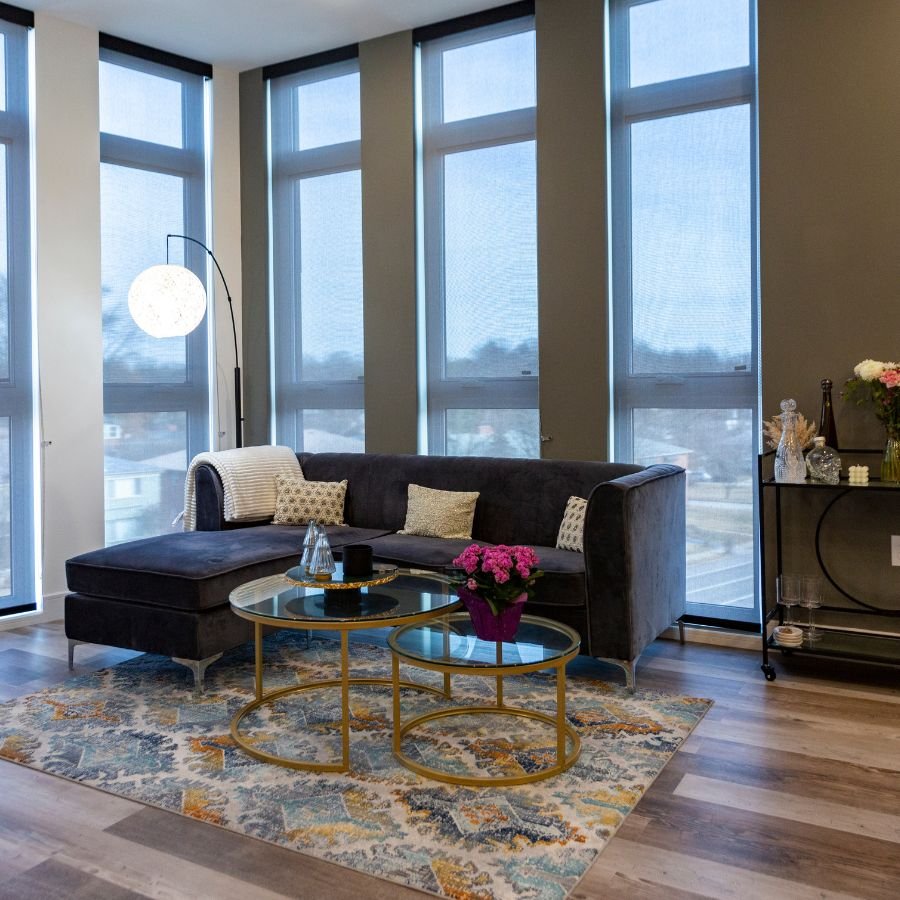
449, 646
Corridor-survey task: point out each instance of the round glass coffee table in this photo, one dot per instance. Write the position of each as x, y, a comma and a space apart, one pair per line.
390, 597
449, 646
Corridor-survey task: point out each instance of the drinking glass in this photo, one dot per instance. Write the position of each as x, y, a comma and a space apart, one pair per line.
811, 598
788, 594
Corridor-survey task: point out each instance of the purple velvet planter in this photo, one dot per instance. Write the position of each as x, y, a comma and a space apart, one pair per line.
487, 626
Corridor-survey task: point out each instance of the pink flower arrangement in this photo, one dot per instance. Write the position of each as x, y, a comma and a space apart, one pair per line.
878, 384
500, 575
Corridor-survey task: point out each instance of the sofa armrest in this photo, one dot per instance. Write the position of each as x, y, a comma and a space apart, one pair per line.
635, 559
211, 502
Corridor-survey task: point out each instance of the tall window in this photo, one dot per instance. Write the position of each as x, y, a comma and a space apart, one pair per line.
17, 573
317, 258
155, 391
480, 237
686, 380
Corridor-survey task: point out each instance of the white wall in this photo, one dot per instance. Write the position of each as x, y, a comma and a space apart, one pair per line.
67, 290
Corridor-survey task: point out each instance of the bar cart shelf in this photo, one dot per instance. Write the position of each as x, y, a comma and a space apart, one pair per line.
860, 643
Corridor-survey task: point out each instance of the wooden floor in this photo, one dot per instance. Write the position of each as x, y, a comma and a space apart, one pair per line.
789, 789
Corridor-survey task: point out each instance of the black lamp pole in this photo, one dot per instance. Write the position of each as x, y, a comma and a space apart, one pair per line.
238, 416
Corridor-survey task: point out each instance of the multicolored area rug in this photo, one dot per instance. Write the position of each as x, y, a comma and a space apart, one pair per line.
138, 731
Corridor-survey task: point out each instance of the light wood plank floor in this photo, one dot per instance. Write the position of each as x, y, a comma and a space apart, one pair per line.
787, 789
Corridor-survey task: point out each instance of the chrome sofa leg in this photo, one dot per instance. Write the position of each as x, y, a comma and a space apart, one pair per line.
628, 666
198, 667
72, 645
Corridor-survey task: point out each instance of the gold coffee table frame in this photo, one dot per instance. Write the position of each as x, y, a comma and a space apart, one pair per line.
499, 670
344, 626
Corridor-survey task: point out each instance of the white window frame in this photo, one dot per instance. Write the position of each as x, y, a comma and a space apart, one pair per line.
189, 162
439, 140
728, 390
16, 394
292, 394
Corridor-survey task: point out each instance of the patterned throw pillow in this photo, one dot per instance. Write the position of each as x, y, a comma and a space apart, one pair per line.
443, 514
571, 531
297, 501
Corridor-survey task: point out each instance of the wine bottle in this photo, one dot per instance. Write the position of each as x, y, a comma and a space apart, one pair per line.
827, 427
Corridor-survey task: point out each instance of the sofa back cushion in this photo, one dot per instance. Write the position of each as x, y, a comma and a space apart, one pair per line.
521, 500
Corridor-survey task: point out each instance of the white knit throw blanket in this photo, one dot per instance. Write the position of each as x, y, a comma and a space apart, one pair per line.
248, 478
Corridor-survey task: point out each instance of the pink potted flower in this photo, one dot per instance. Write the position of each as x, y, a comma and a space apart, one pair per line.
494, 584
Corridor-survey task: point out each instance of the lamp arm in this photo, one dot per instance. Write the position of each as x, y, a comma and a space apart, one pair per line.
237, 361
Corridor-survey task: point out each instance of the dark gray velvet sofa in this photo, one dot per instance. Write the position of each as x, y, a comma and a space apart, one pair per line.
169, 594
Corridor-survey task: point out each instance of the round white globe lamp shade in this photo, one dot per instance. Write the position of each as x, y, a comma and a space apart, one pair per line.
167, 301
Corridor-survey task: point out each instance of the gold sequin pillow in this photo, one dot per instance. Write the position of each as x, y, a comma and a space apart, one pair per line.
297, 501
443, 514
571, 531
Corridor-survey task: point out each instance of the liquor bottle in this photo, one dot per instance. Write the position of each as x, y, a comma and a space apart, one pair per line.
790, 466
827, 427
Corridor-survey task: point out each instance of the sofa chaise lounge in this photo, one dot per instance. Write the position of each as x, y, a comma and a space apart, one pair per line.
169, 594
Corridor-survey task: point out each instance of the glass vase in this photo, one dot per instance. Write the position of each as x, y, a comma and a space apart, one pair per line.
890, 462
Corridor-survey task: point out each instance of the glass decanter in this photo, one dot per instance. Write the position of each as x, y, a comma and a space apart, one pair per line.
823, 464
790, 467
309, 543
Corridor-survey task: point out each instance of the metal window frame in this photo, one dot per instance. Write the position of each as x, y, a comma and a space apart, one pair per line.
192, 396
289, 167
726, 390
16, 393
440, 139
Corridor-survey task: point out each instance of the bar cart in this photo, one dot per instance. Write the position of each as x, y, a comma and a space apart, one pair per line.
839, 642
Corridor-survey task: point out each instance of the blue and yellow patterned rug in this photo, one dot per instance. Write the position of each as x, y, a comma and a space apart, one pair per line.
138, 731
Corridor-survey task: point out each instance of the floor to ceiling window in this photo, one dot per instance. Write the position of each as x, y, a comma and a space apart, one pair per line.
152, 183
686, 379
17, 571
317, 256
478, 102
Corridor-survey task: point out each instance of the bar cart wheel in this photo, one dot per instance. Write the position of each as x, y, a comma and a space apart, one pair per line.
768, 671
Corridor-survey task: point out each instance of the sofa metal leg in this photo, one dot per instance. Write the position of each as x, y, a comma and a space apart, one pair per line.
198, 667
72, 645
628, 666
680, 631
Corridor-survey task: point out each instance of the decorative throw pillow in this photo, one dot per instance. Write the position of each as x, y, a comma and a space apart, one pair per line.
297, 501
443, 514
571, 531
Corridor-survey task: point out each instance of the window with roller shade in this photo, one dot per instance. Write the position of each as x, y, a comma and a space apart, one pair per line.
683, 178
317, 258
155, 391
17, 562
479, 201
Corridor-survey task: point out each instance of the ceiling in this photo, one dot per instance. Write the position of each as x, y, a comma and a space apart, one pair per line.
243, 34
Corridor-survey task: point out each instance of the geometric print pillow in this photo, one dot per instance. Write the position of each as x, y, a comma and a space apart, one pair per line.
297, 501
571, 531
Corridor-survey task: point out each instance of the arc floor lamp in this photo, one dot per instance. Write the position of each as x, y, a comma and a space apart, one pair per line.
170, 301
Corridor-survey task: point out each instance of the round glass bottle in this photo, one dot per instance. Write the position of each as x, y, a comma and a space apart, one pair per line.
822, 463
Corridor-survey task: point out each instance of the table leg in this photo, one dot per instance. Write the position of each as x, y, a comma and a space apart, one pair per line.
560, 716
446, 656
499, 676
345, 698
257, 640
395, 684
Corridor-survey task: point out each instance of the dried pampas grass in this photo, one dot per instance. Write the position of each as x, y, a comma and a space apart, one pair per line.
804, 430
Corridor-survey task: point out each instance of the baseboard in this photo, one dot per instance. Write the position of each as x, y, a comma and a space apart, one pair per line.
722, 637
52, 610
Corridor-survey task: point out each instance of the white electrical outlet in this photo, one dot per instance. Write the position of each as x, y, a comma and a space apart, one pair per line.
895, 549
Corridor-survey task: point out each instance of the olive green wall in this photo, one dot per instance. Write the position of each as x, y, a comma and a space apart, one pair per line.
572, 266
389, 242
829, 138
255, 259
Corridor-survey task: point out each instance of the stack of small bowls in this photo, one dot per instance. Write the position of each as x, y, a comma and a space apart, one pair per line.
788, 635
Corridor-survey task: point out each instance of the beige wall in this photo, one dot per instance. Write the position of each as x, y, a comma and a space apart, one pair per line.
829, 138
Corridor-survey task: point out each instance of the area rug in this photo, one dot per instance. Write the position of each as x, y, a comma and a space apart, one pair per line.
138, 731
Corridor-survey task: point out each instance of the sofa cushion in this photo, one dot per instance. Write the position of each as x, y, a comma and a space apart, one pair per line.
195, 569
440, 514
414, 550
571, 529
